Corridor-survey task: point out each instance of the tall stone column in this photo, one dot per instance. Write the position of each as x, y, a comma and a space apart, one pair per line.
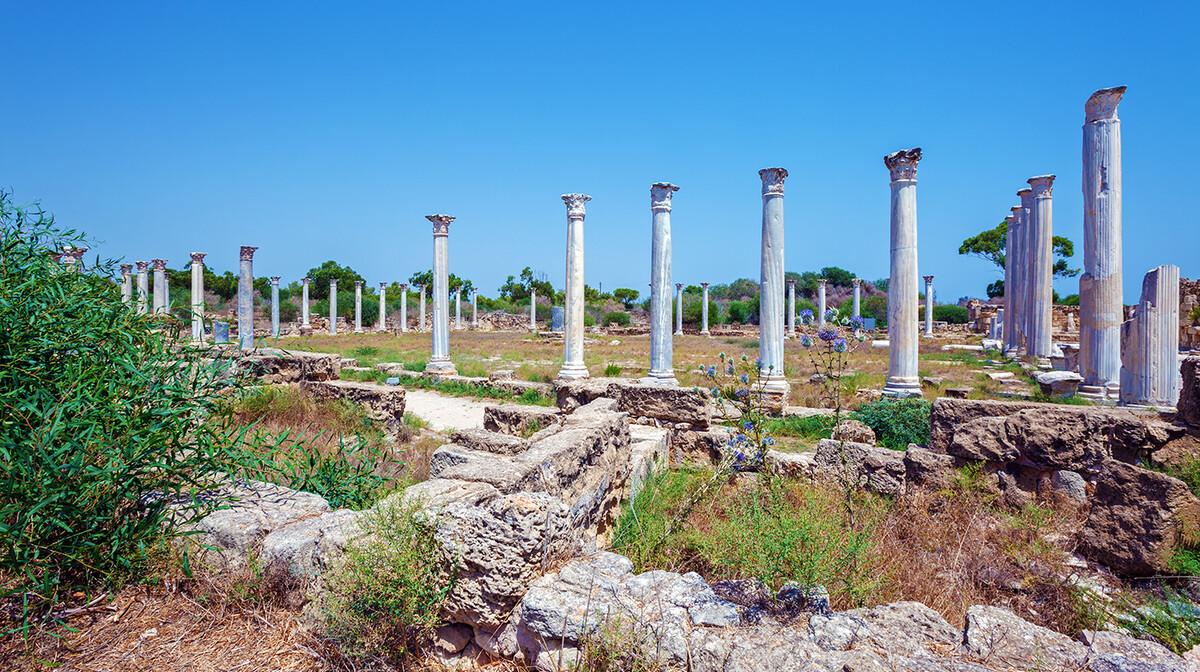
1150, 343
198, 296
474, 308
358, 306
856, 307
245, 298
142, 288
381, 323
274, 306
1101, 302
421, 320
573, 366
903, 379
160, 286
997, 325
126, 283
1009, 281
770, 305
1041, 266
791, 308
333, 306
404, 307
662, 353
532, 309
928, 305
679, 309
458, 309
440, 363
704, 310
1015, 245
821, 301
304, 319
1026, 276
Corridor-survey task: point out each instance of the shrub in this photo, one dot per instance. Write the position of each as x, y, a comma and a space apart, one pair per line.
288, 311
589, 321
897, 422
612, 371
616, 317
876, 307
738, 312
949, 314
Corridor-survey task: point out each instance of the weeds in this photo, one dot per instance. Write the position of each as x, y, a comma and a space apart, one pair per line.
897, 422
612, 371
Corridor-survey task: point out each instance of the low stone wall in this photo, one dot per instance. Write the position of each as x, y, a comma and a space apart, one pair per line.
496, 382
677, 405
384, 404
275, 365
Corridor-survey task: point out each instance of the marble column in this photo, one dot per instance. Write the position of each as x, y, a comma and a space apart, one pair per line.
198, 296
771, 274
421, 307
403, 307
1025, 277
532, 309
142, 289
274, 306
440, 363
77, 259
160, 286
821, 301
903, 379
573, 366
678, 309
358, 306
1009, 281
928, 305
458, 309
304, 319
1041, 265
791, 309
245, 298
1150, 343
1014, 297
1101, 302
997, 332
704, 310
856, 307
126, 283
474, 308
333, 306
662, 353
381, 323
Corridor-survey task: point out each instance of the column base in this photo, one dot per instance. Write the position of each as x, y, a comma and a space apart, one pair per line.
1100, 393
359, 331
573, 371
705, 332
901, 388
660, 378
775, 393
441, 367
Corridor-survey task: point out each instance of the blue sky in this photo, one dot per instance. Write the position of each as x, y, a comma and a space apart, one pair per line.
319, 130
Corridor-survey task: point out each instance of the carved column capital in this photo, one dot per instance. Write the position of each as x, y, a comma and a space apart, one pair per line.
275, 280
383, 285
247, 253
159, 264
928, 279
772, 181
126, 269
441, 224
1026, 196
142, 266
1103, 104
333, 282
704, 285
198, 257
678, 286
404, 286
903, 164
575, 202
856, 281
820, 281
305, 280
1042, 185
660, 196
358, 283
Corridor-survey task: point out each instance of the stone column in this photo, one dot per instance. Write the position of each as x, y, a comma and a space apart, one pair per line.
770, 306
160, 286
333, 306
903, 379
1025, 276
126, 283
77, 262
1041, 265
66, 258
474, 308
142, 289
573, 366
403, 307
304, 323
662, 353
704, 310
440, 363
1009, 270
458, 309
421, 317
791, 308
198, 296
274, 306
358, 306
997, 325
245, 296
381, 324
1150, 343
821, 301
928, 305
679, 309
1101, 302
856, 307
532, 309
1015, 244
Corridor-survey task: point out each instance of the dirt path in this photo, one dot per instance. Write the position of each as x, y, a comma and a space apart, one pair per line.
445, 413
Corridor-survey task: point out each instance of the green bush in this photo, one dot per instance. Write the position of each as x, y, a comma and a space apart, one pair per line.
288, 311
612, 371
876, 307
616, 317
738, 312
897, 422
589, 321
949, 314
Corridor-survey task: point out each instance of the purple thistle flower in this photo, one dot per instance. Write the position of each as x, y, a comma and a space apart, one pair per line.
827, 333
840, 346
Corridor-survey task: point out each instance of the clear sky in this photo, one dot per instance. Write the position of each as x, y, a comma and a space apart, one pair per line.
328, 130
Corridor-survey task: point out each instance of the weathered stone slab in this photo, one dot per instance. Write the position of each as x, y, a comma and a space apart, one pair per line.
273, 365
491, 442
861, 464
673, 404
1189, 394
947, 414
520, 420
1001, 637
384, 403
650, 451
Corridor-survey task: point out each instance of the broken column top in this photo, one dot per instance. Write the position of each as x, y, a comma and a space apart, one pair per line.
125, 268
358, 283
820, 281
903, 164
383, 285
854, 281
575, 204
275, 279
660, 195
928, 279
1103, 104
1041, 185
772, 180
305, 280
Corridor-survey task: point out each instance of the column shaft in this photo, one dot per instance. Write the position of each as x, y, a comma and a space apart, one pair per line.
246, 298
1009, 273
404, 308
573, 366
1041, 285
929, 305
333, 307
704, 311
198, 296
821, 301
678, 309
1150, 361
856, 307
791, 309
126, 283
160, 286
142, 286
458, 310
358, 306
421, 317
275, 306
771, 274
382, 321
903, 379
662, 368
304, 324
440, 363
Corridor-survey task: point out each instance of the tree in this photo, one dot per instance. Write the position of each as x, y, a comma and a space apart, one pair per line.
996, 289
518, 290
882, 284
626, 296
319, 277
992, 244
838, 277
453, 282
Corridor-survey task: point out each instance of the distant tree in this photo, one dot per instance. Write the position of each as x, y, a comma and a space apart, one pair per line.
318, 287
693, 289
838, 277
996, 289
516, 290
626, 296
454, 282
881, 284
991, 245
740, 289
593, 295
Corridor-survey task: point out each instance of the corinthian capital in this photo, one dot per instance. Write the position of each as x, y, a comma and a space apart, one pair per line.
159, 264
1103, 104
660, 196
126, 269
441, 224
903, 164
142, 266
772, 179
856, 281
404, 286
198, 257
274, 279
821, 281
305, 280
928, 279
575, 203
1042, 185
247, 253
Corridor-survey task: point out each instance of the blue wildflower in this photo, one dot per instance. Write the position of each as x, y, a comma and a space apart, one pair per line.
729, 370
806, 316
747, 425
741, 392
827, 333
716, 392
745, 358
860, 337
840, 345
806, 341
831, 315
712, 372
758, 363
744, 378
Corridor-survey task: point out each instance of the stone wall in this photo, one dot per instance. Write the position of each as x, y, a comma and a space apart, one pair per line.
1189, 329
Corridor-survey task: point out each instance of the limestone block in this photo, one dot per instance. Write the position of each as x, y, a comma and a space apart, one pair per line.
518, 420
999, 636
650, 451
1189, 395
308, 548
877, 469
947, 414
383, 403
984, 438
273, 365
791, 465
673, 404
853, 430
488, 441
1059, 383
1138, 519
929, 470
